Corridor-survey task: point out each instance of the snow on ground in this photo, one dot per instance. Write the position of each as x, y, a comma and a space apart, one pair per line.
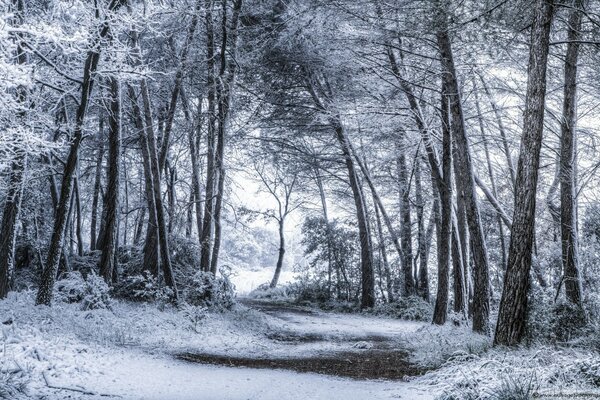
130, 350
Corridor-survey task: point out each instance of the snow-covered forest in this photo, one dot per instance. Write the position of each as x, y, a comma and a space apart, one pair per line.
299, 199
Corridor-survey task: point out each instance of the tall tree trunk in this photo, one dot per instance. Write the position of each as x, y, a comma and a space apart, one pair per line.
490, 169
568, 161
151, 249
443, 180
193, 137
406, 226
513, 306
321, 188
366, 251
107, 260
207, 223
224, 94
44, 295
423, 273
12, 206
78, 221
481, 306
97, 185
163, 239
384, 258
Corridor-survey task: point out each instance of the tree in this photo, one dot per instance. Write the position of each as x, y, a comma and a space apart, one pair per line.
513, 305
44, 295
568, 161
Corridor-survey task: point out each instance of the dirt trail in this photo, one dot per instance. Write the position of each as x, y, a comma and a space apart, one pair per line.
370, 349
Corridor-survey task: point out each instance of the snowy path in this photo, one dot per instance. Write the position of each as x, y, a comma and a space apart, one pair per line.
137, 376
131, 353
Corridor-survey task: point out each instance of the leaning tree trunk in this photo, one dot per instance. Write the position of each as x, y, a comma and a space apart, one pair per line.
366, 251
513, 305
44, 295
107, 260
12, 206
568, 161
481, 302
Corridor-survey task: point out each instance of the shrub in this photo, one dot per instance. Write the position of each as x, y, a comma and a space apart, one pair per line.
143, 287
512, 388
567, 321
91, 292
310, 292
213, 292
265, 292
552, 321
195, 315
412, 308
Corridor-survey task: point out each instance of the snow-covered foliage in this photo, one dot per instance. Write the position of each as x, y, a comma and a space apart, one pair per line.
90, 292
206, 290
280, 293
412, 308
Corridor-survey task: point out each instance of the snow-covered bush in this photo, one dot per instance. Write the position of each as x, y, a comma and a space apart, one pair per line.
509, 388
305, 291
206, 290
281, 292
550, 321
143, 287
91, 292
413, 308
195, 315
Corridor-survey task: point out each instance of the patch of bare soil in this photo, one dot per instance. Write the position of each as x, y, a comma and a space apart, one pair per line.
369, 364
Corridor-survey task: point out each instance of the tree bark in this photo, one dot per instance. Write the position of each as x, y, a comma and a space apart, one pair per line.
513, 306
406, 225
12, 206
107, 260
568, 161
367, 271
443, 181
97, 185
423, 274
207, 223
280, 255
481, 306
